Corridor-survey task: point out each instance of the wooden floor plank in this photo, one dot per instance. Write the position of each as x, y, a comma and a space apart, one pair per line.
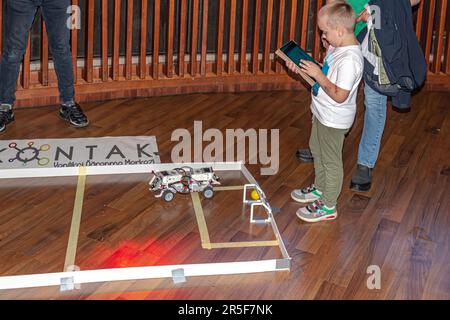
401, 225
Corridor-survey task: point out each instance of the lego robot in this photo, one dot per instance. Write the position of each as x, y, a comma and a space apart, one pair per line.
183, 180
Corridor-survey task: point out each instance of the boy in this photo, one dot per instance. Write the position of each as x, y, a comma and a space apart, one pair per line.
333, 107
19, 18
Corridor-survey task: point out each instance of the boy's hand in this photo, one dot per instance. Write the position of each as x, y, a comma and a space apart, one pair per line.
292, 66
310, 68
363, 16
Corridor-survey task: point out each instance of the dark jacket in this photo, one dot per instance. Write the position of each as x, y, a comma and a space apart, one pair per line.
402, 55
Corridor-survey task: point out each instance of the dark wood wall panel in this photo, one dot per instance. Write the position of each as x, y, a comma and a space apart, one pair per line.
132, 42
204, 50
256, 31
104, 44
89, 61
243, 49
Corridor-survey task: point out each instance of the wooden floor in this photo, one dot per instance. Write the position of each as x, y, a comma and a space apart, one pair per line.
402, 225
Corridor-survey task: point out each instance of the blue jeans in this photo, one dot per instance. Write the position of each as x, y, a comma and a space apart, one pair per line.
374, 122
19, 18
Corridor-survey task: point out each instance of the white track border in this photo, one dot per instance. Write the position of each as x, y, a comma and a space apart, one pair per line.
68, 280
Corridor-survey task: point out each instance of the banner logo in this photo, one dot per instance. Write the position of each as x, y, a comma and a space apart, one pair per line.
30, 153
56, 153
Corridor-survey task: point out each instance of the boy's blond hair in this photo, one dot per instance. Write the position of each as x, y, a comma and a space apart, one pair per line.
339, 13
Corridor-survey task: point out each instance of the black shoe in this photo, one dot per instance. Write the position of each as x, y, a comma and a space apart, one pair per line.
74, 115
6, 116
304, 155
362, 179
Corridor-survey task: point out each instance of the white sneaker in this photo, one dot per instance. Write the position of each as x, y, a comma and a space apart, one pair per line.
316, 212
306, 195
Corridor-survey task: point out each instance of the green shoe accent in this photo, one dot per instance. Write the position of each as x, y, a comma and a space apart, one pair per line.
328, 210
317, 193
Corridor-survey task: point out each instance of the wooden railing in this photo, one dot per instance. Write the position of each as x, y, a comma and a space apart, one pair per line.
190, 66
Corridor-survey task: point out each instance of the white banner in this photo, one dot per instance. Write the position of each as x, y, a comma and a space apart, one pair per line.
58, 153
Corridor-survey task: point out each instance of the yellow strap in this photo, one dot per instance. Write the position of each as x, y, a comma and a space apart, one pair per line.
226, 188
203, 229
245, 244
201, 222
76, 219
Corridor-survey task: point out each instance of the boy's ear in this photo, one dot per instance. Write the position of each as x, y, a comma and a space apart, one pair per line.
341, 31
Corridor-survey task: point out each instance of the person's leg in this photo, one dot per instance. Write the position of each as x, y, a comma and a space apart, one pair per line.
369, 146
55, 13
331, 142
19, 18
314, 192
56, 17
316, 151
374, 122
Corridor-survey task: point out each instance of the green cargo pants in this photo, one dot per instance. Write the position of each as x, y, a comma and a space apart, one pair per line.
326, 147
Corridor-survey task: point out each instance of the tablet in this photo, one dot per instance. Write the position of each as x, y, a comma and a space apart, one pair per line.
295, 53
291, 51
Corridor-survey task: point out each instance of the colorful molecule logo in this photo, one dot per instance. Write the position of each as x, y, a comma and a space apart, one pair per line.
30, 153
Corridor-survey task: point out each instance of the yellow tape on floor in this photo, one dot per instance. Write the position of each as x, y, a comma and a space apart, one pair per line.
76, 219
244, 244
226, 188
201, 222
204, 234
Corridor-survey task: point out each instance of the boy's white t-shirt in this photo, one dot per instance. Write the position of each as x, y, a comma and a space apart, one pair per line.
345, 70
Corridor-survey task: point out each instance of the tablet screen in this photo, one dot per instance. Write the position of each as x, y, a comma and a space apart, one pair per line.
295, 53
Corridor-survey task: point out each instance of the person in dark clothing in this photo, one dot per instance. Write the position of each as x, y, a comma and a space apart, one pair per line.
19, 19
395, 64
374, 123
